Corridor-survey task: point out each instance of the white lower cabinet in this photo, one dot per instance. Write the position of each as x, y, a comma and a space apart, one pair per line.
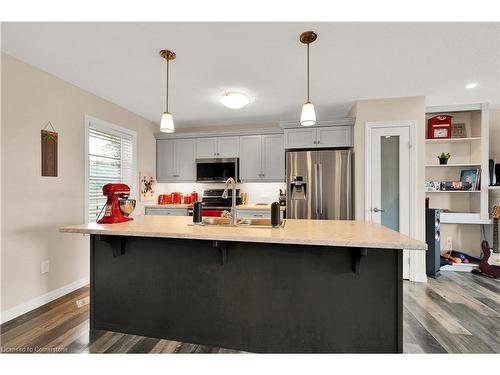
262, 158
166, 211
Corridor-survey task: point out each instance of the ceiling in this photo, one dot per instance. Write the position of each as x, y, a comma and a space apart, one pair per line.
349, 61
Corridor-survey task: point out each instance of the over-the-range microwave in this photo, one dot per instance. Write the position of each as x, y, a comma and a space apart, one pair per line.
217, 169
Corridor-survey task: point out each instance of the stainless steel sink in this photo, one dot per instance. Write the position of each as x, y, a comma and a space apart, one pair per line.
258, 223
245, 222
216, 221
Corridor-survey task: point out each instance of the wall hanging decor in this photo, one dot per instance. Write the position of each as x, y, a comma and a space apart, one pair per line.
147, 185
49, 141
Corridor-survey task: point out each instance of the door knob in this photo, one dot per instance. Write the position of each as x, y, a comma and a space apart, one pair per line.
378, 210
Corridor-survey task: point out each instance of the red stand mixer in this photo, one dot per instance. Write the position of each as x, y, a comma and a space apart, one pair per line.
118, 207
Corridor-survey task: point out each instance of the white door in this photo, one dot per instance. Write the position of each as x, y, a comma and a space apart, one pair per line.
228, 147
251, 158
273, 158
389, 195
205, 148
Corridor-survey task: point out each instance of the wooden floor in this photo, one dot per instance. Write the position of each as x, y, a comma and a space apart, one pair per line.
456, 313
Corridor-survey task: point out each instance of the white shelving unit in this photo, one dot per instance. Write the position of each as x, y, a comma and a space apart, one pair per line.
456, 165
465, 207
463, 211
452, 191
453, 140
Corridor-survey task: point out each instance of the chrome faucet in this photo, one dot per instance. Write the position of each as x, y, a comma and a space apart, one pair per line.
230, 182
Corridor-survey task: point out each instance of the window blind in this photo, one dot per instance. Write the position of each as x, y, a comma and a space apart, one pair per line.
110, 160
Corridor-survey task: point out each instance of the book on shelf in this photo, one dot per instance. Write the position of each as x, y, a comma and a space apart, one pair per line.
472, 176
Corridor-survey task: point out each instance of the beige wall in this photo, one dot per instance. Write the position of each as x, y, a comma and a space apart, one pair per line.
495, 134
33, 207
391, 109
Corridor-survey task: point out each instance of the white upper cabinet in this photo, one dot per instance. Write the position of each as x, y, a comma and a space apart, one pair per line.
250, 157
334, 136
165, 164
206, 148
228, 147
262, 158
316, 137
217, 147
175, 160
185, 160
273, 157
300, 138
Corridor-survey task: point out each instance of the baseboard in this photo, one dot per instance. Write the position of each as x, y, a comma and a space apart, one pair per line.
420, 278
23, 308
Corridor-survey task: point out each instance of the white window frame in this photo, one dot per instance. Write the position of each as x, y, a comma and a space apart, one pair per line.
115, 130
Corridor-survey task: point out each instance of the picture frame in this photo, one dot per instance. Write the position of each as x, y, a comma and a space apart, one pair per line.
458, 130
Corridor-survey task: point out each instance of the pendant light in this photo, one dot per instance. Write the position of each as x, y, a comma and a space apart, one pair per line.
167, 121
308, 115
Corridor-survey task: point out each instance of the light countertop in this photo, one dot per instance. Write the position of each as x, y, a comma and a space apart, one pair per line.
300, 232
255, 207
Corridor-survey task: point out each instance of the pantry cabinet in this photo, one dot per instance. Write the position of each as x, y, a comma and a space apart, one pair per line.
318, 137
262, 158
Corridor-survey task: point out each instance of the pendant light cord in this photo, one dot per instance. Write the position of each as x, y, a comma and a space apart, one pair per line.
168, 61
308, 72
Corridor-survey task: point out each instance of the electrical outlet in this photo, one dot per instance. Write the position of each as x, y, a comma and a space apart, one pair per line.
45, 266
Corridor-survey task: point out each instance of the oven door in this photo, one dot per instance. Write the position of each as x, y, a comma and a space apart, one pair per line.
217, 170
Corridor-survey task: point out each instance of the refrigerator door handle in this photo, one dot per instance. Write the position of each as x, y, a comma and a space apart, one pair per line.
320, 184
316, 188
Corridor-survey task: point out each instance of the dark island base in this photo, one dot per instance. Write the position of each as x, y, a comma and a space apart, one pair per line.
267, 298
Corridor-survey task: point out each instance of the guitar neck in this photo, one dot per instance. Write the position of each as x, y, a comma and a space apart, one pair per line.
495, 236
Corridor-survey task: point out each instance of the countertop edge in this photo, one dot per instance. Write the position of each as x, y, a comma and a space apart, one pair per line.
326, 243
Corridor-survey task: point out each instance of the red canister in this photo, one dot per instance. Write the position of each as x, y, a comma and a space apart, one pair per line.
176, 197
194, 197
187, 199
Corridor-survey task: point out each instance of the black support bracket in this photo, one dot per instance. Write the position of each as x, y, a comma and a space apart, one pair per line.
222, 246
356, 255
117, 243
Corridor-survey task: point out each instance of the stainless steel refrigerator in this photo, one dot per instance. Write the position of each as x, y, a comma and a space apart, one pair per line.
319, 184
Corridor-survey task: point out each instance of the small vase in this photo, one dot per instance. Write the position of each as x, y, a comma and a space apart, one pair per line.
443, 161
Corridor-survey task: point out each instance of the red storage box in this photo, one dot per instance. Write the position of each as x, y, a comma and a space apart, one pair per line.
439, 127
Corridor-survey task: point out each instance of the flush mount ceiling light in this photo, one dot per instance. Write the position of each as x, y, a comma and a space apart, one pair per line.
234, 100
167, 121
471, 85
308, 115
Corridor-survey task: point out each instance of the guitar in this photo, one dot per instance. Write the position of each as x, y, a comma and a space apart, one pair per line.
489, 265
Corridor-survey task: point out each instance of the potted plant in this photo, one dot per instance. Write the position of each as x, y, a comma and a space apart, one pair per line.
443, 158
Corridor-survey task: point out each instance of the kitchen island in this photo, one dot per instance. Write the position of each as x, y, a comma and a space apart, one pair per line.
310, 286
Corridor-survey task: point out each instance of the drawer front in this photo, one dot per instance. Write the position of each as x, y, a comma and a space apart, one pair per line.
167, 211
254, 213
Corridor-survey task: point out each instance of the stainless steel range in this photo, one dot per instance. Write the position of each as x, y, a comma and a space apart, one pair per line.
214, 204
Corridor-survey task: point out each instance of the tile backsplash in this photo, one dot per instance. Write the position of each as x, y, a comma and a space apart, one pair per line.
258, 192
